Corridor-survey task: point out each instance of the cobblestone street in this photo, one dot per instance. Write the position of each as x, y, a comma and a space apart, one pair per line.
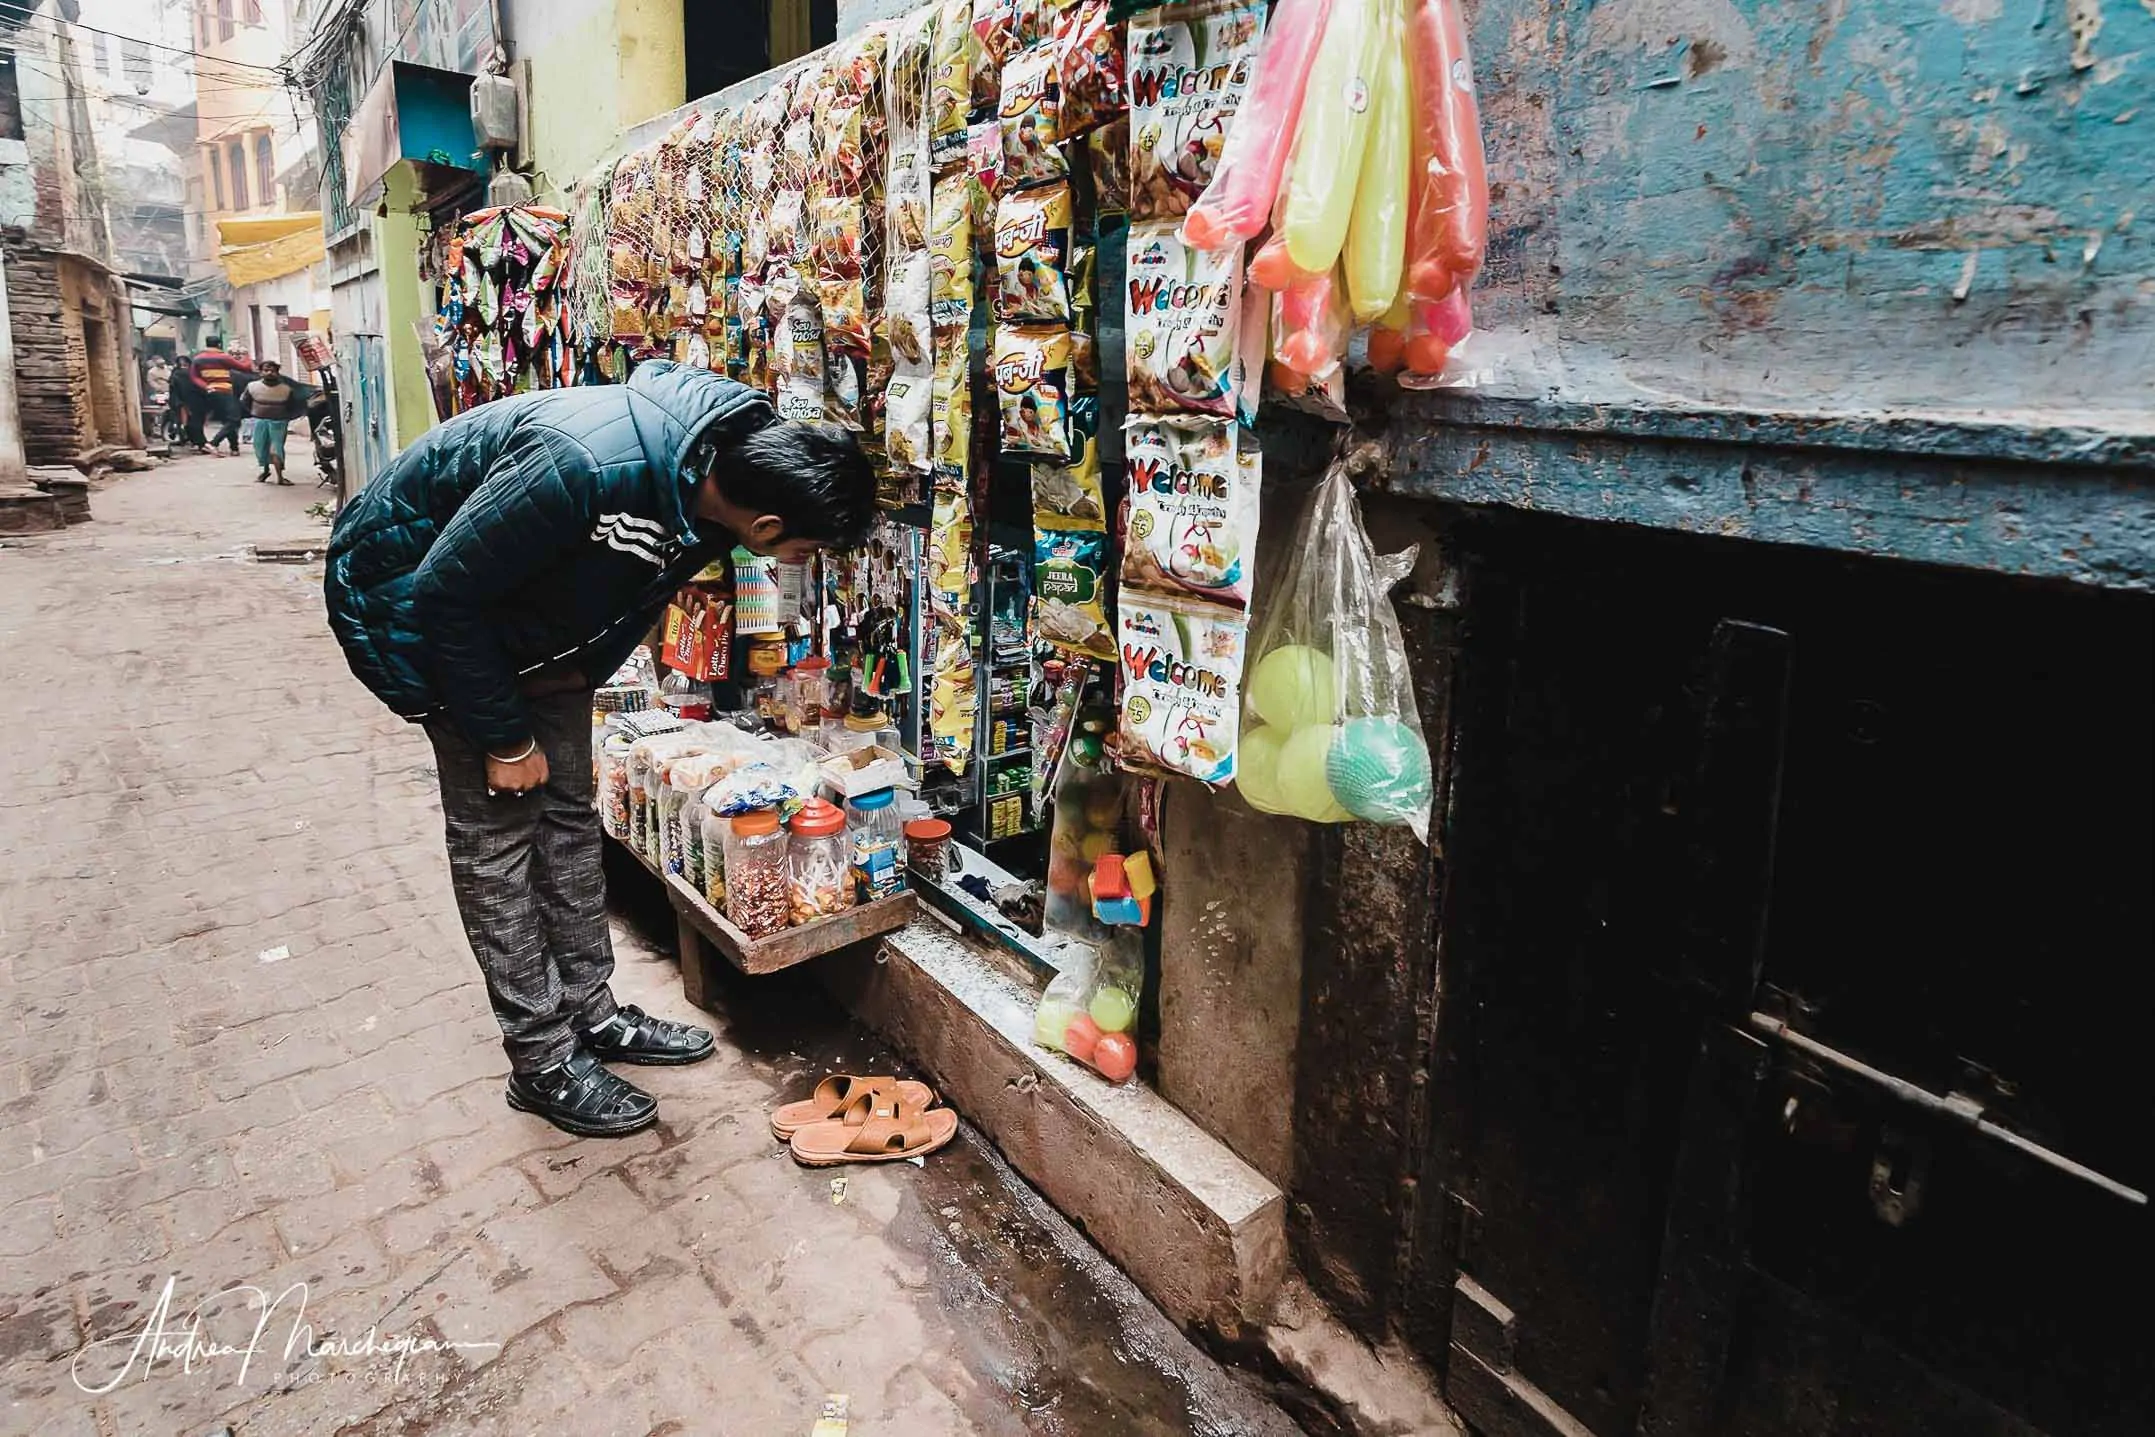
242, 1041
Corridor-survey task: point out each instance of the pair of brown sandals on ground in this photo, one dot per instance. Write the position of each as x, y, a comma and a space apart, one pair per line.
863, 1120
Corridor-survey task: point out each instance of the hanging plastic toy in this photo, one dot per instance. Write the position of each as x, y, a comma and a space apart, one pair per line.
1450, 204
1238, 201
1325, 166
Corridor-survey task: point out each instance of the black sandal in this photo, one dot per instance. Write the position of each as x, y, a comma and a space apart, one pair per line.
579, 1096
634, 1036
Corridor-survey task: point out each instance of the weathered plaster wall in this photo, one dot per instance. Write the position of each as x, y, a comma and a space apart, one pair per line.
598, 67
1824, 205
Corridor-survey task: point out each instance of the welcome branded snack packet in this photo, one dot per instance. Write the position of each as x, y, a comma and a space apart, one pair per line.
1032, 119
1192, 525
1032, 379
1181, 687
1189, 67
1032, 252
1070, 592
1181, 324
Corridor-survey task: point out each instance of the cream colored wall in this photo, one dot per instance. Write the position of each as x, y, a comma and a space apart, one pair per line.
597, 67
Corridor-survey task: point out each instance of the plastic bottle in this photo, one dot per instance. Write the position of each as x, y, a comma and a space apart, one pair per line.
819, 862
878, 845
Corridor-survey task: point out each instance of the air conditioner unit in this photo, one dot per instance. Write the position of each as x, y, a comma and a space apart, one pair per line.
493, 112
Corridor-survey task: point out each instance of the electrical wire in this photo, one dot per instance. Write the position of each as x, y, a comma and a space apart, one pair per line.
28, 14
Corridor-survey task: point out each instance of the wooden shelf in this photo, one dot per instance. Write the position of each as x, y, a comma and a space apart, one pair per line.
788, 946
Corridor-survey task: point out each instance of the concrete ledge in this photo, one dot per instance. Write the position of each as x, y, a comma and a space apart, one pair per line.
1197, 1228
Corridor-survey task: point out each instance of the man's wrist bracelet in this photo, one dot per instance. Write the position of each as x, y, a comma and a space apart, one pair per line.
529, 749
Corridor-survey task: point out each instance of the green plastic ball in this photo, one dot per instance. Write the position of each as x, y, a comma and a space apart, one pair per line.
1050, 1020
1379, 770
1257, 768
1293, 687
1303, 786
1114, 1010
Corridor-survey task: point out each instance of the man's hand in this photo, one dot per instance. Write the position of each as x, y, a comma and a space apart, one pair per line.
520, 776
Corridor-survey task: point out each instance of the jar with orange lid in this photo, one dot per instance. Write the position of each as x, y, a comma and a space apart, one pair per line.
757, 901
811, 693
819, 862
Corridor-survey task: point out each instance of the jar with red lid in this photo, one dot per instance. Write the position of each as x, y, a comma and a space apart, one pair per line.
819, 863
758, 901
927, 847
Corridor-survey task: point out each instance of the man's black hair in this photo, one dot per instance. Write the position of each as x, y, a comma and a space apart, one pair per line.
814, 477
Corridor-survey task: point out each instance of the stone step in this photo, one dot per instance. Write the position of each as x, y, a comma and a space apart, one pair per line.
30, 511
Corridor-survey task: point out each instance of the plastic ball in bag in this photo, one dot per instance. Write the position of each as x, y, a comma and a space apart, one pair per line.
1379, 770
1081, 1037
1257, 768
1051, 1021
1303, 780
1114, 1057
1114, 1010
1293, 687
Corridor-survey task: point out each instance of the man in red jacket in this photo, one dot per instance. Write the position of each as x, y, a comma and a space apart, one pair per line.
222, 377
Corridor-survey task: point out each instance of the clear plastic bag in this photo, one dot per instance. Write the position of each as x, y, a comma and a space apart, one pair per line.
1330, 729
1449, 201
1089, 1010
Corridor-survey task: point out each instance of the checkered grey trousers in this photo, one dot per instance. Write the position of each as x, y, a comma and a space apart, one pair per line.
530, 883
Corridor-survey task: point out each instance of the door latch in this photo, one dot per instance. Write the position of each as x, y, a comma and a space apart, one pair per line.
1900, 1170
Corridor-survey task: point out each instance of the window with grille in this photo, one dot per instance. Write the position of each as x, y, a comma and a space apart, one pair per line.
236, 162
217, 179
135, 63
224, 19
265, 166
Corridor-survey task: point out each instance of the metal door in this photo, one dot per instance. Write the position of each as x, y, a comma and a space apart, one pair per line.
1793, 954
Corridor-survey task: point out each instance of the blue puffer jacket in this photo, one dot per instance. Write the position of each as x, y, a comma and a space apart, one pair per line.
538, 532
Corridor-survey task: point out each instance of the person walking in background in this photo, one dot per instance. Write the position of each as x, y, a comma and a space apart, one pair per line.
222, 376
190, 402
273, 403
158, 380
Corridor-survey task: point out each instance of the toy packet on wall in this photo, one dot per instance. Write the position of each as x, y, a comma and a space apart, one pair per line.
1032, 255
1193, 506
1189, 66
1181, 324
1181, 687
1070, 592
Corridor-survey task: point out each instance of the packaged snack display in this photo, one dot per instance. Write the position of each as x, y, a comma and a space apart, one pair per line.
906, 304
1192, 524
1107, 150
984, 170
1070, 592
950, 409
1181, 324
1032, 382
995, 40
906, 406
1188, 69
797, 358
1333, 732
1069, 496
1088, 53
950, 247
1031, 113
905, 109
950, 92
1181, 687
1032, 255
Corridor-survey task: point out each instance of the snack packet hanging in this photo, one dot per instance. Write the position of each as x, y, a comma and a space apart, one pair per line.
1188, 69
950, 245
984, 169
1181, 687
1032, 120
1192, 526
1032, 251
1032, 379
1069, 496
1107, 151
905, 111
950, 92
1088, 58
797, 360
995, 40
950, 407
1332, 732
1070, 592
1181, 321
906, 429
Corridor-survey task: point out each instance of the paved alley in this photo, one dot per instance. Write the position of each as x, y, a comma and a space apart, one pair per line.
243, 1046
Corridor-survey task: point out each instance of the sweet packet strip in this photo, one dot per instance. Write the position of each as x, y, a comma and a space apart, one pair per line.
1181, 669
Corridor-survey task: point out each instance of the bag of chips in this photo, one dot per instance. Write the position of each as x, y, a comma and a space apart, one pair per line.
1069, 496
950, 92
1031, 365
797, 360
1032, 247
1189, 67
1107, 151
1181, 687
906, 429
995, 40
1032, 120
1088, 59
950, 406
1070, 592
1192, 526
950, 247
1181, 322
984, 167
